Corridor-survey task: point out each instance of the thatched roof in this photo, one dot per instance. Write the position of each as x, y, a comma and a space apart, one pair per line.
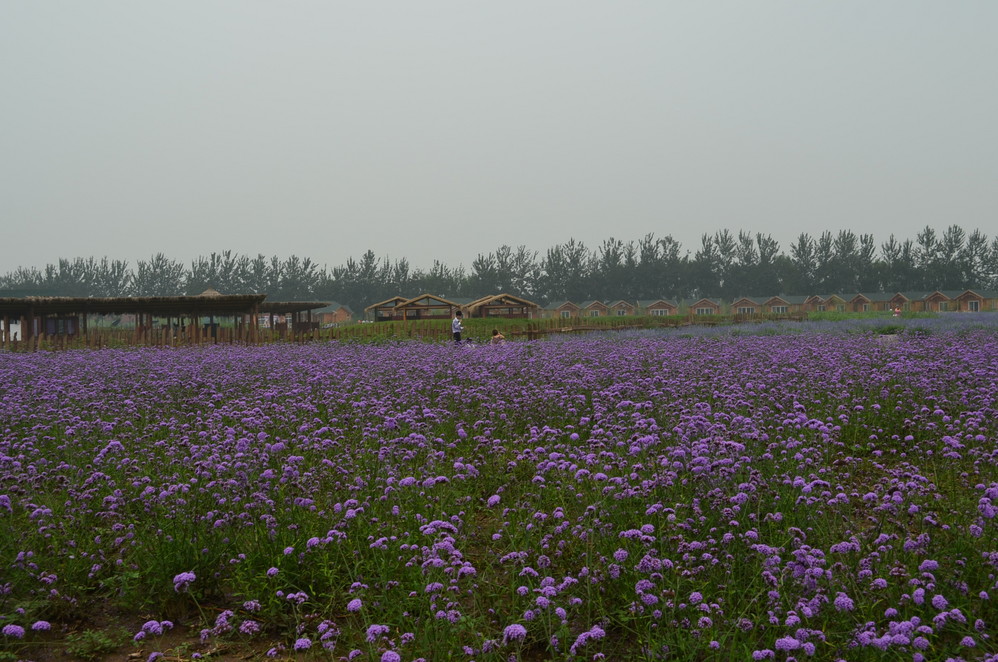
172, 306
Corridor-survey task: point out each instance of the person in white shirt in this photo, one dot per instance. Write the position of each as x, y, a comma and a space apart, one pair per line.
456, 327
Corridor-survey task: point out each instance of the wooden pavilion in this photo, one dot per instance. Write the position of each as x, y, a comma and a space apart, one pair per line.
503, 305
157, 320
69, 315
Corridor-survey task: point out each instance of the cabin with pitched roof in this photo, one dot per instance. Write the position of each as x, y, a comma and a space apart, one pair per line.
865, 302
657, 307
593, 309
428, 307
904, 300
387, 310
936, 302
506, 306
813, 303
784, 304
834, 303
563, 310
975, 301
622, 308
705, 306
747, 306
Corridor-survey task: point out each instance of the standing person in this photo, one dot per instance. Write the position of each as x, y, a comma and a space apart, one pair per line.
456, 328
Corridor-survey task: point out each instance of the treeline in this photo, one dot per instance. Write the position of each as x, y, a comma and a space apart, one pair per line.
724, 266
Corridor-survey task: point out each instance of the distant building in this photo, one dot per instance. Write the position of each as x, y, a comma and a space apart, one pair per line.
334, 313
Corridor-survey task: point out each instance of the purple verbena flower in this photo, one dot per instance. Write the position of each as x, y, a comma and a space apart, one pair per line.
843, 602
13, 631
375, 631
514, 632
183, 581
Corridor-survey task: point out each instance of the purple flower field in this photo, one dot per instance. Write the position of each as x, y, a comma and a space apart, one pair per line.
784, 497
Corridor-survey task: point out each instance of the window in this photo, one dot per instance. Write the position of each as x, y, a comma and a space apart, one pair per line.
704, 311
658, 312
821, 307
974, 306
594, 313
866, 307
943, 306
746, 310
565, 314
779, 309
621, 312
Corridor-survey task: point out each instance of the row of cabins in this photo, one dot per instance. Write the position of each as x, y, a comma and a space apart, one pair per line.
429, 306
936, 301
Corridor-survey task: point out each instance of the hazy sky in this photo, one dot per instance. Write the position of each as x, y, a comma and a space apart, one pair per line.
440, 130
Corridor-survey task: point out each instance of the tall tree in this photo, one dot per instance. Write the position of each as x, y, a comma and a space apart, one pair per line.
708, 270
974, 261
224, 272
70, 278
441, 280
768, 278
262, 275
803, 256
727, 253
300, 279
950, 269
23, 279
990, 269
609, 271
843, 274
891, 267
927, 258
158, 276
824, 259
485, 273
520, 270
867, 276
566, 272
109, 278
742, 276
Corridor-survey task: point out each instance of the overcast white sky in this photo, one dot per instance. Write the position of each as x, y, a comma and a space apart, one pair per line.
440, 130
